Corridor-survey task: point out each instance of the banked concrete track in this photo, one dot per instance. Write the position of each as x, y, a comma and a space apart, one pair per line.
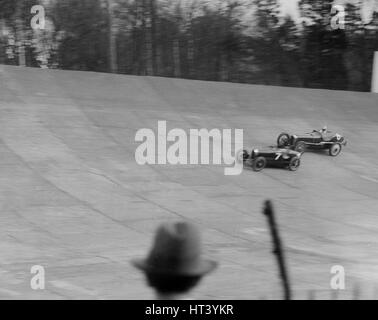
73, 199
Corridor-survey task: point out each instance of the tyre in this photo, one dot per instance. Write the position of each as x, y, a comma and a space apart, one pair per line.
283, 140
242, 155
294, 164
300, 147
335, 149
259, 163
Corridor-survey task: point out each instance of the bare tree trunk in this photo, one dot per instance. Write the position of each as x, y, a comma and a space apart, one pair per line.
2, 52
153, 36
159, 62
138, 47
20, 37
223, 68
147, 28
2, 44
190, 56
140, 38
191, 44
112, 40
176, 58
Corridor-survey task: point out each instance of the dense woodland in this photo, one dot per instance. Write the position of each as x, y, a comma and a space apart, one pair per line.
246, 41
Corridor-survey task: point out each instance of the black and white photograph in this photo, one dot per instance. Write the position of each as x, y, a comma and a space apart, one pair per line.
202, 150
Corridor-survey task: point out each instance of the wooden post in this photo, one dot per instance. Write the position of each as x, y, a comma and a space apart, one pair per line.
277, 249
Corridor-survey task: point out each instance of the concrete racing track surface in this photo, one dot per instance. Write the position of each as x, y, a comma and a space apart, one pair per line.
74, 200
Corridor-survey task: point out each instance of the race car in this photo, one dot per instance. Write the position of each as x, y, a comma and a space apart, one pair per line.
317, 139
258, 159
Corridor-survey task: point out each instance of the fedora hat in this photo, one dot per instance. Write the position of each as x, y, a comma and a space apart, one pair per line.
176, 251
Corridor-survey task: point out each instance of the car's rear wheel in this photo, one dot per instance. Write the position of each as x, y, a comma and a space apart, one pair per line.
300, 147
259, 163
242, 155
294, 164
283, 140
335, 149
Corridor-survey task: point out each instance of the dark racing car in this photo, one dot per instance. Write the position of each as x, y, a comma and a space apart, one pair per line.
258, 159
317, 139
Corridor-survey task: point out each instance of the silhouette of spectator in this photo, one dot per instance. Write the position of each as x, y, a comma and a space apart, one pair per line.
174, 265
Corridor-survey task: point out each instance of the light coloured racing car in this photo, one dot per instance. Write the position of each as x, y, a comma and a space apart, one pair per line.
317, 140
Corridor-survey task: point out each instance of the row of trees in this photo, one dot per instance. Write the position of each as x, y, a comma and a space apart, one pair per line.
236, 40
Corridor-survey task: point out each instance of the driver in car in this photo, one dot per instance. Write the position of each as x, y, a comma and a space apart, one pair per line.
323, 133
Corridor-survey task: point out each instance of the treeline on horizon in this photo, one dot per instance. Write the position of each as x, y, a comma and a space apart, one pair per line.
245, 41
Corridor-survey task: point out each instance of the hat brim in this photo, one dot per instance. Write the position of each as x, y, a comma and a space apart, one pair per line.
201, 268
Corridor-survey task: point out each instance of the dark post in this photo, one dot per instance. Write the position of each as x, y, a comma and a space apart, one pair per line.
277, 249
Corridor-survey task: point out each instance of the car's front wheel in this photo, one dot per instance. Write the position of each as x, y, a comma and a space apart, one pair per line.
294, 164
283, 140
242, 155
335, 149
259, 163
300, 147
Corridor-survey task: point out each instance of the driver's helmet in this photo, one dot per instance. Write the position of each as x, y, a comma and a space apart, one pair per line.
324, 129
